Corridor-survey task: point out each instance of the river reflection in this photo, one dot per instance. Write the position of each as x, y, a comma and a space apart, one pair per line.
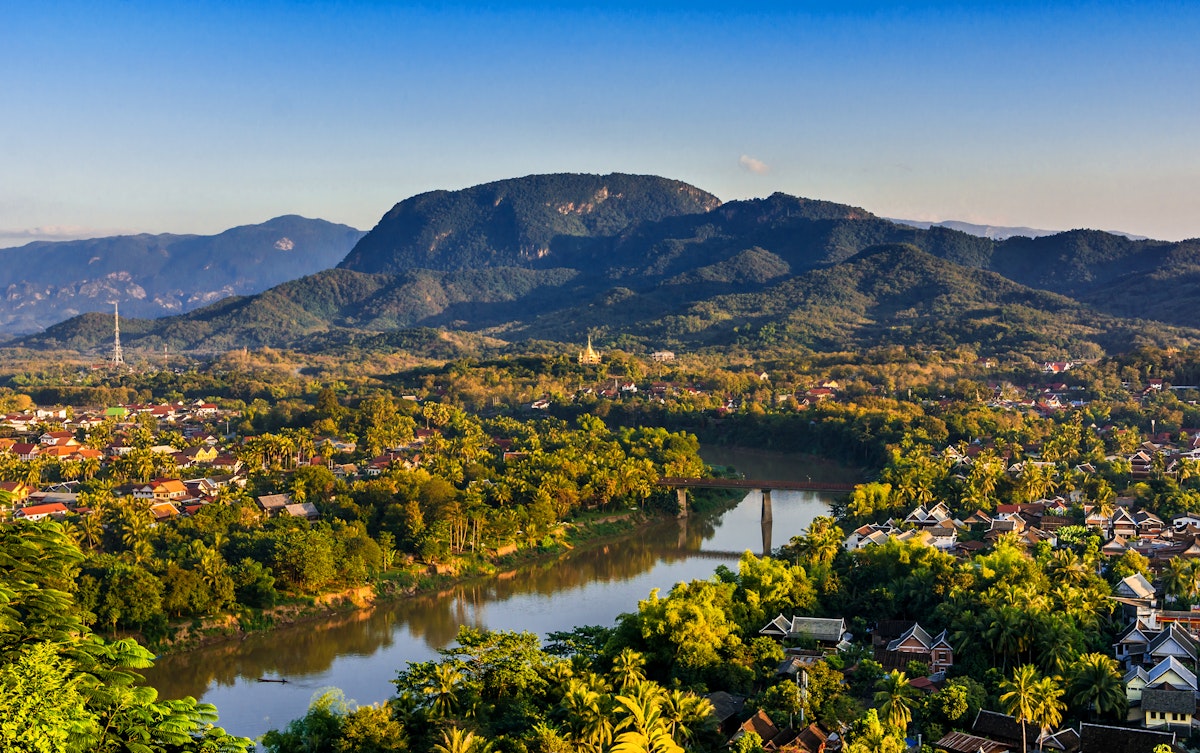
360, 652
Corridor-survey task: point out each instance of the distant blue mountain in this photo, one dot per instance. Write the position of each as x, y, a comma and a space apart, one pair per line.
999, 232
43, 283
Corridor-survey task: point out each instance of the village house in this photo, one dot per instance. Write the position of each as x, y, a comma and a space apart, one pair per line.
306, 510
827, 632
16, 490
34, 513
25, 451
161, 490
915, 644
274, 504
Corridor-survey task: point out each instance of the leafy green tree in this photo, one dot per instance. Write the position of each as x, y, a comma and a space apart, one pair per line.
37, 567
319, 729
372, 729
872, 736
42, 706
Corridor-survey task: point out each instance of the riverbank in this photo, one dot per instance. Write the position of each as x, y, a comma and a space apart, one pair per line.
594, 530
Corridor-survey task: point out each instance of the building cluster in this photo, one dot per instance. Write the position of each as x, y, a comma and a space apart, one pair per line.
209, 464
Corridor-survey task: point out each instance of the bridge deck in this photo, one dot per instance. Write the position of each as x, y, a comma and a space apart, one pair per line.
745, 483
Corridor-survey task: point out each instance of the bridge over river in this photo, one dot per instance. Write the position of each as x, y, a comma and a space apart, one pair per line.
681, 485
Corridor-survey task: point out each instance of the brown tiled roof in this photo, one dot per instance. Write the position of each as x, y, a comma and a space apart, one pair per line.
761, 724
961, 742
811, 738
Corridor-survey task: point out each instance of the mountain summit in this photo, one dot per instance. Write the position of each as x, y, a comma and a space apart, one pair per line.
522, 222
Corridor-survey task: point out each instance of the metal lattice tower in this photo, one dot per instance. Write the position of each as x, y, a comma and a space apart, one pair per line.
117, 358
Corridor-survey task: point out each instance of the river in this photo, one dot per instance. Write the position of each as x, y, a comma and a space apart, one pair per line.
360, 652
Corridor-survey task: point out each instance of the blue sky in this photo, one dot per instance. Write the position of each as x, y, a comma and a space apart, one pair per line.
195, 117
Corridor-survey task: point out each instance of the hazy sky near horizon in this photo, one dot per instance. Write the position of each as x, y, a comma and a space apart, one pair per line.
195, 117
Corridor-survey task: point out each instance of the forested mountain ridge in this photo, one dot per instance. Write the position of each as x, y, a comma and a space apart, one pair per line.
558, 256
155, 275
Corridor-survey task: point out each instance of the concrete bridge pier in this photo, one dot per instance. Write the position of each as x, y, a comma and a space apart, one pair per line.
767, 517
766, 534
681, 495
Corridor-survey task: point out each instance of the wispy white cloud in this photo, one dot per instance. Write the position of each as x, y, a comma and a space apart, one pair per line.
19, 236
753, 165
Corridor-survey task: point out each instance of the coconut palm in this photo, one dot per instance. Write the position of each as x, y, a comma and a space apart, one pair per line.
645, 729
89, 467
89, 529
1095, 684
1020, 697
896, 699
823, 540
587, 716
1048, 705
628, 669
686, 713
1178, 580
1066, 566
455, 740
443, 689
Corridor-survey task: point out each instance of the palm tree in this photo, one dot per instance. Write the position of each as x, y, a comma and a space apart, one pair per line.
646, 731
69, 470
1020, 697
685, 713
628, 668
135, 532
455, 740
89, 467
896, 699
587, 716
1005, 633
823, 540
1067, 566
89, 528
1095, 684
443, 689
1178, 580
1048, 705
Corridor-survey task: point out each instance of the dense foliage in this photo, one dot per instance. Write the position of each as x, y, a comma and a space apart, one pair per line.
63, 688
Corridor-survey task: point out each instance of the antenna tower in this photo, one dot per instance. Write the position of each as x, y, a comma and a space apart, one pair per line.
117, 358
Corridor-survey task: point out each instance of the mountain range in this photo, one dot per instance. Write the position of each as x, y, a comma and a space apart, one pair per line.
648, 262
155, 275
998, 232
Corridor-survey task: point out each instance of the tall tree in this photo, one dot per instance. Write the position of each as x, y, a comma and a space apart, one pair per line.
896, 698
1020, 697
1095, 685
